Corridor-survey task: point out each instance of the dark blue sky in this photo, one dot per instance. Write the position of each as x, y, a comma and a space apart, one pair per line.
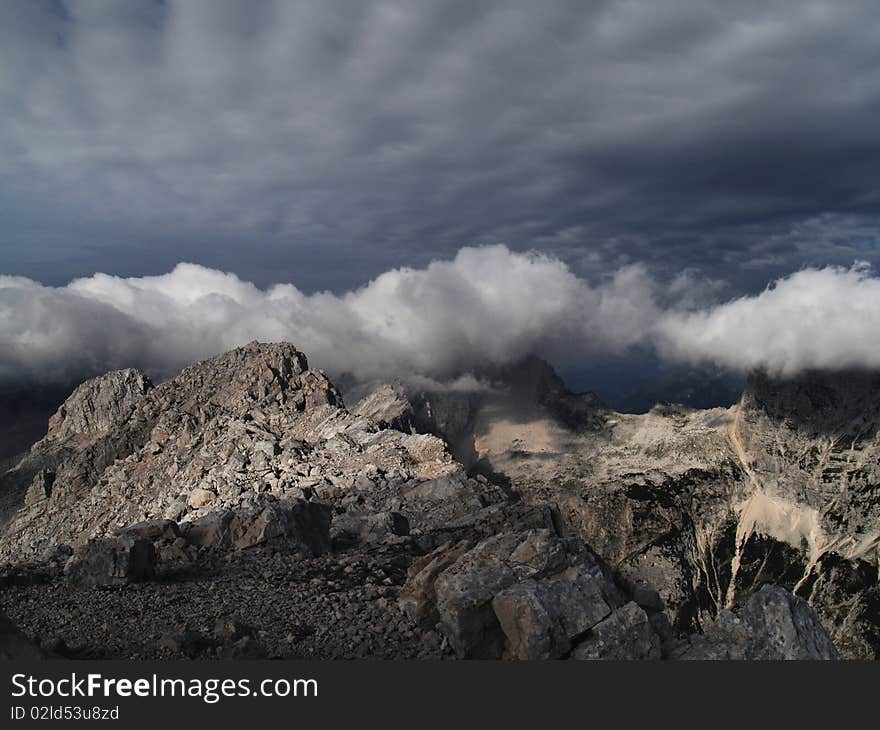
322, 143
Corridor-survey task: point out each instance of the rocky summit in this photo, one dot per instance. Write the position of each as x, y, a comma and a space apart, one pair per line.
243, 510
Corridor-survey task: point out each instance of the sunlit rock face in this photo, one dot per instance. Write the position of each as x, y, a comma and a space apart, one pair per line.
253, 423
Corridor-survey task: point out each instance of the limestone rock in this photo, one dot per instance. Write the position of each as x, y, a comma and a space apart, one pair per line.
351, 528
99, 404
112, 561
626, 634
521, 594
773, 624
304, 525
388, 407
783, 626
541, 619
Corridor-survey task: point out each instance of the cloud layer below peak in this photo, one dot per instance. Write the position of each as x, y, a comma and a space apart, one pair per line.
487, 305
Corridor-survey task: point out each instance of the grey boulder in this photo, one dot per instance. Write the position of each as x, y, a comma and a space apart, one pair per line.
625, 634
112, 561
541, 619
297, 523
353, 529
773, 625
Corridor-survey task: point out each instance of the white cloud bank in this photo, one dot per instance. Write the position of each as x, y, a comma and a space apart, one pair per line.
822, 319
488, 305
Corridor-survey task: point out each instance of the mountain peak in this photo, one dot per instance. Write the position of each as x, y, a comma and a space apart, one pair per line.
99, 404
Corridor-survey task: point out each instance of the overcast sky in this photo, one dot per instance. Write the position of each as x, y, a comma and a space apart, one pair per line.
322, 143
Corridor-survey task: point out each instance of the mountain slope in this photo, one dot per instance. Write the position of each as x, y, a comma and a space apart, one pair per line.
708, 505
561, 529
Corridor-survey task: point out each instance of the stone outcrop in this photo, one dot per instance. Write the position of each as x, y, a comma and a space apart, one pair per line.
625, 634
773, 624
297, 523
250, 424
352, 528
543, 619
524, 595
98, 405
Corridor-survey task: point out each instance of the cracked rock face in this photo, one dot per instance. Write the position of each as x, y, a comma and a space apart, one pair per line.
772, 625
522, 595
98, 405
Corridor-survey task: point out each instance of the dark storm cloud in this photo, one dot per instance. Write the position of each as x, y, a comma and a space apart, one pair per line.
326, 142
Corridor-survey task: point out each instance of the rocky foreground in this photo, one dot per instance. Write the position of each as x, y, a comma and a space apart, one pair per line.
241, 510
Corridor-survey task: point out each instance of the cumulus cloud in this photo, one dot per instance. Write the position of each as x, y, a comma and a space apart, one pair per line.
823, 319
488, 305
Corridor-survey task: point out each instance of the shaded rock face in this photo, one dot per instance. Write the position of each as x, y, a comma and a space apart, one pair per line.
352, 528
542, 619
627, 634
782, 626
112, 561
773, 625
298, 523
520, 595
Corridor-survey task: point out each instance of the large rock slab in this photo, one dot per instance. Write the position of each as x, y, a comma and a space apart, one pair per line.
519, 594
112, 561
625, 634
541, 619
298, 523
353, 529
774, 625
